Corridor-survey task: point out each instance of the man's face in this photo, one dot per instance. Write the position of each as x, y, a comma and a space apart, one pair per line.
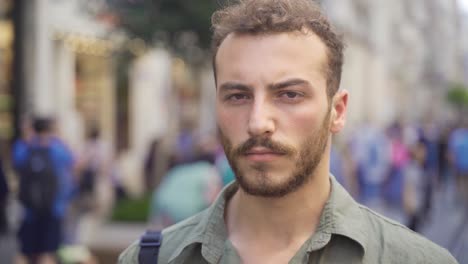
272, 109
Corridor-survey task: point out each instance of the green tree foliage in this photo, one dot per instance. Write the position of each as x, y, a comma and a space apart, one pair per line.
457, 95
165, 20
132, 210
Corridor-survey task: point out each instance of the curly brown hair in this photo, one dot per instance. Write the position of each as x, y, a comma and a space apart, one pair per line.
279, 16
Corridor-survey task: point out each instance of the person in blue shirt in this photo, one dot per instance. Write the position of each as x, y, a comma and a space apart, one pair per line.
40, 234
458, 149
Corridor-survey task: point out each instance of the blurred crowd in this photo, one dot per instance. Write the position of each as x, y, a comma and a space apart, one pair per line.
402, 166
398, 167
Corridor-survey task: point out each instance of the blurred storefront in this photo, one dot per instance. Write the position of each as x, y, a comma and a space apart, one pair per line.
69, 71
85, 85
146, 113
67, 68
395, 62
6, 63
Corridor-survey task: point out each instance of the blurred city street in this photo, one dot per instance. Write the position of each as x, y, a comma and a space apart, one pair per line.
116, 100
449, 218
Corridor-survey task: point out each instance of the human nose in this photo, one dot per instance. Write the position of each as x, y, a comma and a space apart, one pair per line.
261, 120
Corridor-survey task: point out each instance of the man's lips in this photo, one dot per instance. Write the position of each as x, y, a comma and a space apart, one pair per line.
262, 154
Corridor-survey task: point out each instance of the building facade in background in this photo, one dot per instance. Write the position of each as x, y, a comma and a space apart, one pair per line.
401, 56
69, 72
6, 66
464, 44
67, 68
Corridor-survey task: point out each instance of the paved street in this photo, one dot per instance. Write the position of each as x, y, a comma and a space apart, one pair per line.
448, 225
111, 239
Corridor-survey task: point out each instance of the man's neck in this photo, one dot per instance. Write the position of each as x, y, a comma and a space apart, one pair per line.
285, 222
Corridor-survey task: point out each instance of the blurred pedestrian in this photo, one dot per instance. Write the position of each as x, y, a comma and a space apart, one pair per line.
443, 159
371, 154
94, 175
26, 134
186, 190
277, 66
185, 145
399, 157
414, 186
209, 149
224, 169
458, 148
150, 166
44, 191
336, 166
427, 137
8, 246
4, 193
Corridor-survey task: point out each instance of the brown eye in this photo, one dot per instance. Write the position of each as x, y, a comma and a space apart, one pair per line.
291, 94
237, 98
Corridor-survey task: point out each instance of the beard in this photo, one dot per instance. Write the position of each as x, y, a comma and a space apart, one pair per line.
306, 160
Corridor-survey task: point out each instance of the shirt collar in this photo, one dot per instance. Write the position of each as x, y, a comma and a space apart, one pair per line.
215, 234
341, 216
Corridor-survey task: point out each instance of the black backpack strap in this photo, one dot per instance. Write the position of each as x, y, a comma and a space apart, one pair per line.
150, 243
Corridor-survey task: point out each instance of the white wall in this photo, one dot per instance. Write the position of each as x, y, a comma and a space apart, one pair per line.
393, 46
69, 121
42, 86
150, 95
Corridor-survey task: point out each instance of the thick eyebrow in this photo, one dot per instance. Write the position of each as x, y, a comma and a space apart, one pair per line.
234, 86
287, 83
275, 86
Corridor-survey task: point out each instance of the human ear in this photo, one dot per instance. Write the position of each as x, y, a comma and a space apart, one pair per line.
339, 108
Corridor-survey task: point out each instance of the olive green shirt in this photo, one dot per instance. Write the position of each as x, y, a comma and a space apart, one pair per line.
347, 233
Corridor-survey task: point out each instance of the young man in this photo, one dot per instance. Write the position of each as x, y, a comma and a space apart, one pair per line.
277, 69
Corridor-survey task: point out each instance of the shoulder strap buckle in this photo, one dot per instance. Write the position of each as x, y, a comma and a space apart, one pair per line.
150, 243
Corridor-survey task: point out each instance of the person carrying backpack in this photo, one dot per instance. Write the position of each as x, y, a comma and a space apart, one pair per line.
44, 167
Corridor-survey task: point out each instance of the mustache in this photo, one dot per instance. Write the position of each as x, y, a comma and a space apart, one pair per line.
265, 142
